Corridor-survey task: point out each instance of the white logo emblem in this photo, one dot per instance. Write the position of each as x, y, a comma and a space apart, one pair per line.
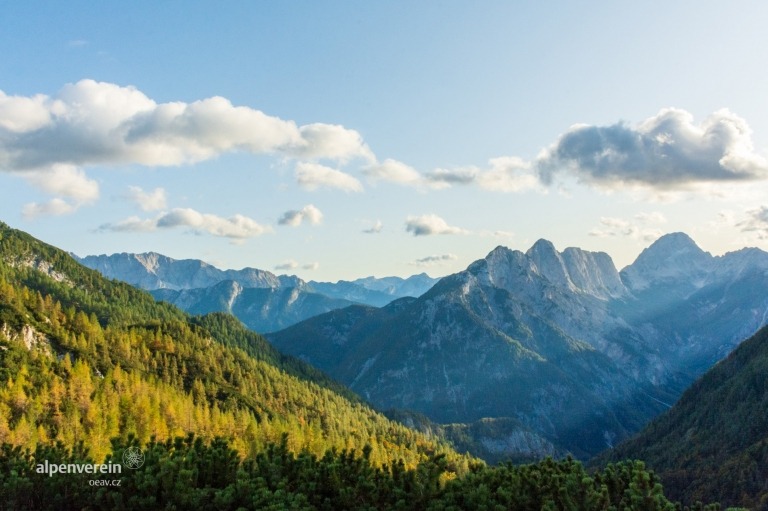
133, 457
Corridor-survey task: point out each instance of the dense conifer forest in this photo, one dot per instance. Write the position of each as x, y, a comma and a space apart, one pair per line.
713, 444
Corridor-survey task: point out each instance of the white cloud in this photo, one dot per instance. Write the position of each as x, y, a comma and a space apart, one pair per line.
444, 178
131, 224
287, 265
333, 142
236, 227
504, 174
66, 181
291, 264
308, 213
508, 174
375, 228
73, 187
54, 207
98, 123
313, 175
434, 260
666, 151
20, 114
393, 171
426, 225
147, 201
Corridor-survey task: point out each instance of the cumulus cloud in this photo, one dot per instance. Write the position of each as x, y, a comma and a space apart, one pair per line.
50, 139
72, 186
375, 228
66, 181
426, 225
90, 123
313, 176
756, 222
434, 260
147, 201
310, 266
19, 114
308, 213
668, 150
333, 142
641, 227
236, 227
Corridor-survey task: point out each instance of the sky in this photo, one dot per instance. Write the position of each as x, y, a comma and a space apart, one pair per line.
336, 140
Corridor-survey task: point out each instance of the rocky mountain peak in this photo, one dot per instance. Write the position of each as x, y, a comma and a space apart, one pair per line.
673, 257
549, 263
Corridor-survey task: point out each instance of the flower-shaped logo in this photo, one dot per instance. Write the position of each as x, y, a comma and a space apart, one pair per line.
133, 457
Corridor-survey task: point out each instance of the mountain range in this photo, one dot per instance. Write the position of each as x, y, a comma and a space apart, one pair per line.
563, 345
566, 351
263, 301
521, 355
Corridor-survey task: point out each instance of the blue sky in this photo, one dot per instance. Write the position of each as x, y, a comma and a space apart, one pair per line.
336, 140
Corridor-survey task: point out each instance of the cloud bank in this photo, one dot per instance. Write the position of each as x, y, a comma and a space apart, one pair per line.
50, 140
99, 123
668, 151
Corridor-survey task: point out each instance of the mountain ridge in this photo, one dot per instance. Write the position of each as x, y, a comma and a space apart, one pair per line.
544, 327
265, 302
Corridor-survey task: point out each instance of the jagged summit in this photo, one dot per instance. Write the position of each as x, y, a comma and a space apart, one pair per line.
574, 269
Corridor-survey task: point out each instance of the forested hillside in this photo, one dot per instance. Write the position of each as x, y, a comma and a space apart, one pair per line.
87, 359
713, 444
